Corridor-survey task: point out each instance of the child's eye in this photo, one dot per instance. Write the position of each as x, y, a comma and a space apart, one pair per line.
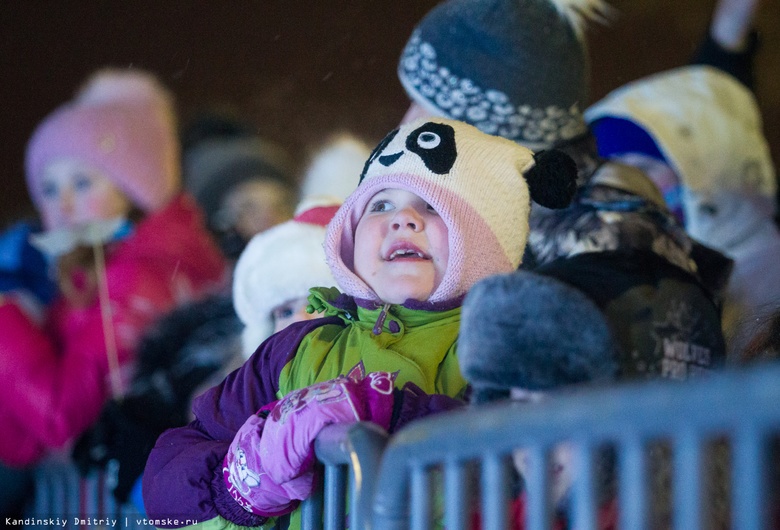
381, 206
49, 190
82, 182
708, 209
283, 312
431, 209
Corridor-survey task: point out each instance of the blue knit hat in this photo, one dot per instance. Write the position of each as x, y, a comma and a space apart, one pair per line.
512, 68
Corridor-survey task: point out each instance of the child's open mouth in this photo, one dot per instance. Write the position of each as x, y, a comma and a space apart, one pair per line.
405, 252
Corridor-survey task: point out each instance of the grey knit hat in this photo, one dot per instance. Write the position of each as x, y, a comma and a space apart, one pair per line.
513, 68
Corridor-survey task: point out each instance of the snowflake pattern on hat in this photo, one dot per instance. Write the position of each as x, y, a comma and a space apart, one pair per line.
489, 110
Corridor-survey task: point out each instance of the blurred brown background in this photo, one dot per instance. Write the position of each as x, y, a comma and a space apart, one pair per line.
298, 69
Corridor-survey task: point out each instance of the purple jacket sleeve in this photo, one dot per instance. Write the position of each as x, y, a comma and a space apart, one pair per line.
183, 475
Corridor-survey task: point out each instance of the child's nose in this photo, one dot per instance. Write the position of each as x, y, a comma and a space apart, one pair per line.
66, 202
408, 218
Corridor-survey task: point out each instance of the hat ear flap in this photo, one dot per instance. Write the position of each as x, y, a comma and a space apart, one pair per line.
552, 181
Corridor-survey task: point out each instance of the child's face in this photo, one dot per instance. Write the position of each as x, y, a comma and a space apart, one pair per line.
256, 205
290, 312
401, 247
75, 193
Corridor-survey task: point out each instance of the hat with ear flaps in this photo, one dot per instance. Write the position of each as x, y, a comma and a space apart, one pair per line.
122, 123
513, 68
481, 186
529, 331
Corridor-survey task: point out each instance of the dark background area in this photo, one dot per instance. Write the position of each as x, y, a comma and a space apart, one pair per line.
299, 70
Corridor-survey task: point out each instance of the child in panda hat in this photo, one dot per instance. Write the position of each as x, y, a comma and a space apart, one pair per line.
439, 206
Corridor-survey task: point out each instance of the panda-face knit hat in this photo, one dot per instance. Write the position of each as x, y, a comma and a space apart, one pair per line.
513, 68
122, 122
481, 186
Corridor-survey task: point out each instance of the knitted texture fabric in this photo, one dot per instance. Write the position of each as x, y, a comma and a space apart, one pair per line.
473, 180
279, 265
122, 123
706, 124
514, 68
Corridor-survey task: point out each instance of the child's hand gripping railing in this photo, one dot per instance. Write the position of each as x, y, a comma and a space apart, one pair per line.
348, 453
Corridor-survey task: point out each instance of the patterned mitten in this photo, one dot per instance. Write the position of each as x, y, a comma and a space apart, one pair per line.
287, 445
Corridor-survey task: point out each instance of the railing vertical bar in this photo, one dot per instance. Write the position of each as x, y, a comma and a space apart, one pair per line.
584, 495
633, 484
421, 493
538, 515
335, 497
687, 485
312, 510
495, 488
749, 486
456, 499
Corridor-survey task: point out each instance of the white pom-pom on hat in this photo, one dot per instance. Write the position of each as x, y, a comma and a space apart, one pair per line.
114, 85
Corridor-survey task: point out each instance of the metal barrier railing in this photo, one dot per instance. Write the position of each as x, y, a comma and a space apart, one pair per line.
350, 455
79, 501
741, 406
436, 470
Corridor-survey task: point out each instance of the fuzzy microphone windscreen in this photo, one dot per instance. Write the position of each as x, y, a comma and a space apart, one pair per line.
529, 331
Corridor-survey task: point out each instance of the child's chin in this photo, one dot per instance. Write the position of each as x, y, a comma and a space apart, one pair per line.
399, 296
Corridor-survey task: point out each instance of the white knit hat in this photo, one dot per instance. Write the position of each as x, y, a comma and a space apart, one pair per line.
705, 123
278, 265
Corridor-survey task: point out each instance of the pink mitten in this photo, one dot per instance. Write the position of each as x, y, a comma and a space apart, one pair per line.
287, 444
246, 479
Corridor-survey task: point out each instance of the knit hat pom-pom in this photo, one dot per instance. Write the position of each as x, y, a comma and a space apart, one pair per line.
117, 86
552, 181
581, 12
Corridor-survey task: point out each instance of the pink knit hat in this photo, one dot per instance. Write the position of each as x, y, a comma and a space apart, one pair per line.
122, 122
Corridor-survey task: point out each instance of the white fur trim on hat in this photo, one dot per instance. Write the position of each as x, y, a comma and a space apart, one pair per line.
706, 124
277, 265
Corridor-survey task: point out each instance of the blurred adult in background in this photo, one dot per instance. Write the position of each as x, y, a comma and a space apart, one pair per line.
697, 131
519, 69
244, 183
275, 271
